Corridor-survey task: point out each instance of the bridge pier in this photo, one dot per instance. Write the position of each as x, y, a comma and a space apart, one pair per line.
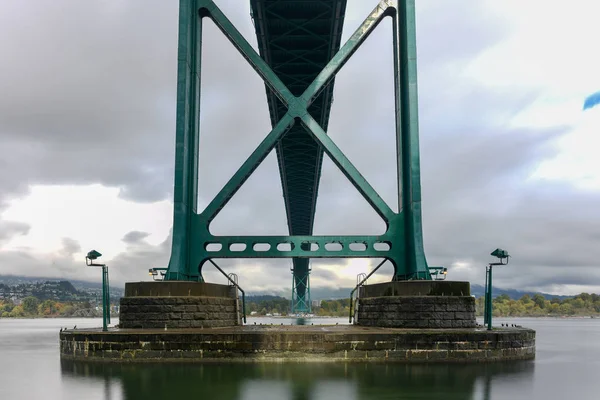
416, 304
411, 319
179, 305
200, 322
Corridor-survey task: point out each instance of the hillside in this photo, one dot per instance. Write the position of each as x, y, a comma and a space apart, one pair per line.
93, 289
320, 293
90, 290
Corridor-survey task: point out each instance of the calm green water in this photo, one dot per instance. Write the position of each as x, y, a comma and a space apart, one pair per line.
567, 367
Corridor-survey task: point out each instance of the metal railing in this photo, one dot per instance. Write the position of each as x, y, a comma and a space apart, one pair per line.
359, 284
157, 274
232, 278
438, 273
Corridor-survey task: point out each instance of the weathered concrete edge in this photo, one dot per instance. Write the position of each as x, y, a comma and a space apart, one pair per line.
358, 356
416, 288
517, 346
178, 289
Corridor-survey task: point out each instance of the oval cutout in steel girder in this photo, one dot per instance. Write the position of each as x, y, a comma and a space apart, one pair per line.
358, 246
212, 247
285, 246
334, 246
382, 246
261, 247
237, 247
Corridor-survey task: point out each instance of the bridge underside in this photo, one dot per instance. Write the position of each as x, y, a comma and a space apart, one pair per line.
297, 39
299, 56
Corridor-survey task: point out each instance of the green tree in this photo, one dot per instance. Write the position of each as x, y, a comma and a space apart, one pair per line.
30, 305
47, 307
539, 300
578, 303
68, 311
585, 297
503, 298
7, 307
525, 299
17, 312
566, 309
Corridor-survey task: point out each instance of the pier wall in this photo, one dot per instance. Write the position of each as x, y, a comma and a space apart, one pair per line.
300, 344
417, 312
178, 305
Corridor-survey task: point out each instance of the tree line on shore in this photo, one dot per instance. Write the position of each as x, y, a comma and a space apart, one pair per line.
32, 307
263, 305
583, 304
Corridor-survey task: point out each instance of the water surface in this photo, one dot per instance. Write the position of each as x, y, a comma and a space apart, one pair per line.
567, 366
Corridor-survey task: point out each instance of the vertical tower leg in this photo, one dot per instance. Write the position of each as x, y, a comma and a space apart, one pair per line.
409, 260
301, 286
186, 149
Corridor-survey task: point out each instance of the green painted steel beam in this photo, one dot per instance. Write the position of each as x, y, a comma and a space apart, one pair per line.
299, 159
301, 287
294, 246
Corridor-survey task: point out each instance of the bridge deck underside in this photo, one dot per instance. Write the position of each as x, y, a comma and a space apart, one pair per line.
297, 38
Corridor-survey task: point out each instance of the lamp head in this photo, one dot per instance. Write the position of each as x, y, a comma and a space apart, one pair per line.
93, 255
499, 253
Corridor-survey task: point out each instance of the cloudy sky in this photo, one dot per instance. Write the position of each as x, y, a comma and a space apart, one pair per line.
87, 125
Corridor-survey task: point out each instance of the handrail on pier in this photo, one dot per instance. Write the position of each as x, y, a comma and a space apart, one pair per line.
359, 284
232, 278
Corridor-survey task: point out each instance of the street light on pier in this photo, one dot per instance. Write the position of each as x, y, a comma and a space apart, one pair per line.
487, 313
90, 259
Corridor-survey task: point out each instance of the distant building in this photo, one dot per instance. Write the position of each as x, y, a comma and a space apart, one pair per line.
315, 303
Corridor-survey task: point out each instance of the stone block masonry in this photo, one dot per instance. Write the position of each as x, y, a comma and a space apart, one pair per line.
299, 343
417, 312
178, 312
402, 325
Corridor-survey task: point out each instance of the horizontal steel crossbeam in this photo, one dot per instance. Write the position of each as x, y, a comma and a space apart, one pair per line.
298, 246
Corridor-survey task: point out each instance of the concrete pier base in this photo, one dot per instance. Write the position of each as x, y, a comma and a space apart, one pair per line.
402, 322
175, 304
299, 343
416, 304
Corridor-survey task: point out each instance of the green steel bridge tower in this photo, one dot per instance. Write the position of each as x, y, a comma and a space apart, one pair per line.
300, 53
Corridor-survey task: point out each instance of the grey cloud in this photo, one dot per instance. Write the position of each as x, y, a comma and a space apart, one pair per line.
99, 103
10, 229
70, 246
134, 237
104, 111
59, 265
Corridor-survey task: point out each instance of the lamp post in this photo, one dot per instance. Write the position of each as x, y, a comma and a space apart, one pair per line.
487, 313
89, 261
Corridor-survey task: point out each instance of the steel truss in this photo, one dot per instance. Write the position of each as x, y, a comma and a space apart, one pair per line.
193, 244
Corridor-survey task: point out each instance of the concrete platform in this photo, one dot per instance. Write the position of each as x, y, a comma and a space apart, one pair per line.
299, 343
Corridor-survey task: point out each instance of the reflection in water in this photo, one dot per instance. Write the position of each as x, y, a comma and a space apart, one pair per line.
297, 381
